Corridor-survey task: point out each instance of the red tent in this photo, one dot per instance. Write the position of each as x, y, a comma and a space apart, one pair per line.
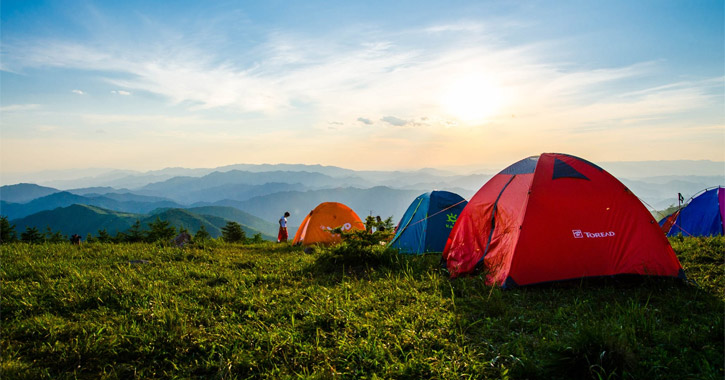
556, 217
667, 223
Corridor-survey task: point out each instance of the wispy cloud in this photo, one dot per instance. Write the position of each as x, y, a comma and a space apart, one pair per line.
337, 76
78, 92
291, 84
474, 27
365, 121
47, 128
392, 120
19, 107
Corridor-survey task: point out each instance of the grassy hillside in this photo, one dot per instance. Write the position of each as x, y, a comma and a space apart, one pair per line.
272, 311
78, 219
182, 218
241, 217
84, 220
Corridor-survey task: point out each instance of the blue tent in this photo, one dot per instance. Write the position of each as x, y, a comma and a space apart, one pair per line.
703, 216
427, 222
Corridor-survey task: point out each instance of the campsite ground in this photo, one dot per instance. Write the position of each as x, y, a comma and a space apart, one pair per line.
272, 311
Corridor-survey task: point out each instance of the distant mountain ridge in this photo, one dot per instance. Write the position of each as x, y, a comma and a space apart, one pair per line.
645, 169
81, 178
85, 219
266, 191
133, 203
24, 192
251, 178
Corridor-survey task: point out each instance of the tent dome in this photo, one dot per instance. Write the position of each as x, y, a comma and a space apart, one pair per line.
426, 224
703, 215
556, 217
315, 228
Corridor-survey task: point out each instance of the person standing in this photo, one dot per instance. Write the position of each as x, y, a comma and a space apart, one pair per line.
282, 235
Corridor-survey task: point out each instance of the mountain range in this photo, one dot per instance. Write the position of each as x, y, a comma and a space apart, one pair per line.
211, 197
85, 220
125, 202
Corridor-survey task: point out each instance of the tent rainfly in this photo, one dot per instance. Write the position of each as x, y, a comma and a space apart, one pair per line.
556, 217
315, 228
426, 224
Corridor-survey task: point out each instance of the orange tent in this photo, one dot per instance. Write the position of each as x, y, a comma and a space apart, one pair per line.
315, 228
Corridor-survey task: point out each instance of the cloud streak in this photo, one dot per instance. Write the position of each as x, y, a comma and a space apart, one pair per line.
19, 107
381, 76
289, 85
392, 120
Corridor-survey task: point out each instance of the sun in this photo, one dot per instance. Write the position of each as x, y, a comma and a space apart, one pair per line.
472, 98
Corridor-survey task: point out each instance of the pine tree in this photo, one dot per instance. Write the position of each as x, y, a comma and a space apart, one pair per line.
32, 235
103, 236
54, 237
202, 234
233, 233
160, 230
135, 233
120, 237
257, 238
7, 231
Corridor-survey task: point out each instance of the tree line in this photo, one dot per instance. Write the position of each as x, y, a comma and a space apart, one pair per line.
157, 231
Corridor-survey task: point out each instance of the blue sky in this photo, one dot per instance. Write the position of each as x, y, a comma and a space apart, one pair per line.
364, 85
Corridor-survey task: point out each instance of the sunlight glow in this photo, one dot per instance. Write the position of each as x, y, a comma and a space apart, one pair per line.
473, 98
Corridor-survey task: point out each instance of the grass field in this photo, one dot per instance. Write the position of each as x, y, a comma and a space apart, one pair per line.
271, 311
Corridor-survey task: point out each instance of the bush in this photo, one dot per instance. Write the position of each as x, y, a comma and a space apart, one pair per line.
377, 232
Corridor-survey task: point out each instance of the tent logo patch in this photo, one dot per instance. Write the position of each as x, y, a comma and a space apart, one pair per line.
451, 220
344, 227
578, 234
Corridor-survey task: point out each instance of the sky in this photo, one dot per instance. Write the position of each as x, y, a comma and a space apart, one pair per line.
367, 85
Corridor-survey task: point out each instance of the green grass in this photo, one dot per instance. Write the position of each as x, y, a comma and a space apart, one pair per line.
273, 311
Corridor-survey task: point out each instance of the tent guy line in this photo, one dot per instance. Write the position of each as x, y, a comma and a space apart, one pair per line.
432, 215
661, 215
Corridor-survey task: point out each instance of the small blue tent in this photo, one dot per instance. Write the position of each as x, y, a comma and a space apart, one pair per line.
703, 216
427, 222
